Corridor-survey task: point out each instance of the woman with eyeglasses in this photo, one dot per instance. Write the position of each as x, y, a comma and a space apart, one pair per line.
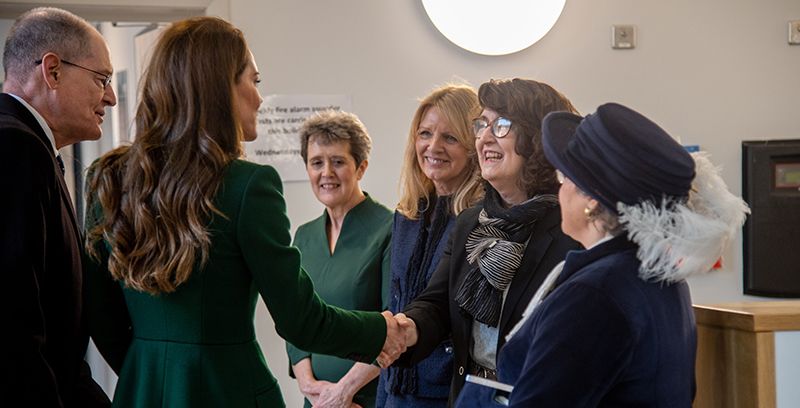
613, 326
501, 250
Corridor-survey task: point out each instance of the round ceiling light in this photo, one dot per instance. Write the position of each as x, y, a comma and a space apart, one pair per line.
498, 27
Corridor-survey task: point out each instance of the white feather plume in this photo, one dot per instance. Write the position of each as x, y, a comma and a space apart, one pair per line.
678, 239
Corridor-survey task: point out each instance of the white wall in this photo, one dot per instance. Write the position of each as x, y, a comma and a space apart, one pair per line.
5, 27
787, 368
712, 72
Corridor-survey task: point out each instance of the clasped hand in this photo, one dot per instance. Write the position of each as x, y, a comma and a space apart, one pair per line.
401, 333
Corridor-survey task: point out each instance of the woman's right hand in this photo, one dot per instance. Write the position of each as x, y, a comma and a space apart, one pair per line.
395, 343
409, 328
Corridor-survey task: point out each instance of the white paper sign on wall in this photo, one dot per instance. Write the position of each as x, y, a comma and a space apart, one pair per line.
279, 120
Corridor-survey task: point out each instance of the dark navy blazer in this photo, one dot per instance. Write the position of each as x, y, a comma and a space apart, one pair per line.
602, 338
434, 372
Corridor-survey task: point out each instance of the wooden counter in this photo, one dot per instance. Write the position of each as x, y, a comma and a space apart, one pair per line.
736, 352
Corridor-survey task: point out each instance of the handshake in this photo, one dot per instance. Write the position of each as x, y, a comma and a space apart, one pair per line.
401, 333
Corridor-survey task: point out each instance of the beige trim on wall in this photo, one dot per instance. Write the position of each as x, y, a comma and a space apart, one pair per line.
127, 10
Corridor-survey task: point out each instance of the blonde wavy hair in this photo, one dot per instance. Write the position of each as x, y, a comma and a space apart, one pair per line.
458, 104
157, 194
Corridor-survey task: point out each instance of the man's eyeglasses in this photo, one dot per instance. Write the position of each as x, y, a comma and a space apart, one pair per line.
500, 126
106, 77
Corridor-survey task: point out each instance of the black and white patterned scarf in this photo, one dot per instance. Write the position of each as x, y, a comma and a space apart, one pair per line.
494, 250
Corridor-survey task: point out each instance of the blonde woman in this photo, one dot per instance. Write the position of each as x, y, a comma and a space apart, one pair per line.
439, 179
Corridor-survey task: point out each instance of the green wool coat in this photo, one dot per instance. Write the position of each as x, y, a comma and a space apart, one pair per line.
196, 347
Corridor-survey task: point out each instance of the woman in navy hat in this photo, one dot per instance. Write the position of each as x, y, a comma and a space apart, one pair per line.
613, 324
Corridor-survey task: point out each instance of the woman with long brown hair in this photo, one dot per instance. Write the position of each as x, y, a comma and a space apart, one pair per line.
184, 236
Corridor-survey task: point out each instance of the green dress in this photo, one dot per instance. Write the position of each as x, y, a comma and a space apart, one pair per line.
355, 276
196, 347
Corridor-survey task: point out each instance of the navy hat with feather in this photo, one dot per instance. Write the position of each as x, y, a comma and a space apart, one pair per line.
618, 155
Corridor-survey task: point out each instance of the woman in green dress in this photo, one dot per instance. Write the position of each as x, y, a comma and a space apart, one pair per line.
345, 252
184, 236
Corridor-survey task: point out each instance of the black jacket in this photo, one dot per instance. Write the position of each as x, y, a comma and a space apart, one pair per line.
44, 334
436, 313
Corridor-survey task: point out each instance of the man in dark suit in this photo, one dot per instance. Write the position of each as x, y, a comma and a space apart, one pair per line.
55, 93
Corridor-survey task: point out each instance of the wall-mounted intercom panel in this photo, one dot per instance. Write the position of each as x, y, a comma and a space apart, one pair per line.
771, 186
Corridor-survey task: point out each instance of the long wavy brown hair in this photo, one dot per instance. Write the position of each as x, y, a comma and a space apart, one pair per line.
156, 195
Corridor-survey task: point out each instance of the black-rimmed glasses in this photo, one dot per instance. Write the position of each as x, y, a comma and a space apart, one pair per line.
500, 126
106, 77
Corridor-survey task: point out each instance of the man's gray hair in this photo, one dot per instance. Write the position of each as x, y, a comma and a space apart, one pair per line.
41, 30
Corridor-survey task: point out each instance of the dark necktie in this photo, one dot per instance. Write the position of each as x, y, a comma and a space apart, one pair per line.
60, 163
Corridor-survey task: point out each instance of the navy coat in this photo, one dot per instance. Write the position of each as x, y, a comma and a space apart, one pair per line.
602, 338
435, 371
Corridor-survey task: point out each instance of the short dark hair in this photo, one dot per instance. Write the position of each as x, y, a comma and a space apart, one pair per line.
332, 126
609, 220
42, 30
526, 102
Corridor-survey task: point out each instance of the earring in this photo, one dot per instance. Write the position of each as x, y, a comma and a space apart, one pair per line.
588, 213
